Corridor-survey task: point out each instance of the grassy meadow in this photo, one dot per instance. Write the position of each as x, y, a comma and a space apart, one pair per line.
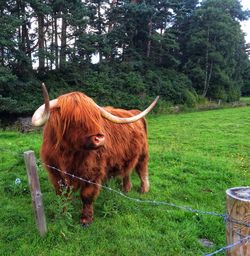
245, 100
195, 157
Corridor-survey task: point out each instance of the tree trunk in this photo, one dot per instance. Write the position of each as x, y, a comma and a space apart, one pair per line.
208, 78
111, 22
2, 55
63, 42
28, 47
41, 41
19, 36
150, 25
25, 34
160, 54
205, 88
46, 49
2, 49
99, 32
56, 42
52, 43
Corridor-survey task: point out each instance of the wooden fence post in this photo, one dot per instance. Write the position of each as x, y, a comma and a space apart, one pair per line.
34, 184
238, 211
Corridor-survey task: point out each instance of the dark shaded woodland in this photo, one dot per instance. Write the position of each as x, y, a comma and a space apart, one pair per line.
122, 53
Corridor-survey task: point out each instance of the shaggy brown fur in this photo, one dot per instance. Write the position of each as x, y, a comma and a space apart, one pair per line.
69, 144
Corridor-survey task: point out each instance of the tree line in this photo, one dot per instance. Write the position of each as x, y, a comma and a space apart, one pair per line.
183, 50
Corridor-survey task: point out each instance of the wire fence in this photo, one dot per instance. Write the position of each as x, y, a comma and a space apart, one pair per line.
230, 246
225, 217
154, 202
186, 208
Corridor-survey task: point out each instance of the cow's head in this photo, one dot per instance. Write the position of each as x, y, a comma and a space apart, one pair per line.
79, 120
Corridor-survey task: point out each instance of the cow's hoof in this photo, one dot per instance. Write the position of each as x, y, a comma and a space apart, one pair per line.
85, 225
126, 189
86, 222
144, 189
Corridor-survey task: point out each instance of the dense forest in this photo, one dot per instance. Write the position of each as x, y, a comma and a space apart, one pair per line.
122, 52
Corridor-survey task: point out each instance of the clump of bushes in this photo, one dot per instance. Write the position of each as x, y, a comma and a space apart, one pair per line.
120, 85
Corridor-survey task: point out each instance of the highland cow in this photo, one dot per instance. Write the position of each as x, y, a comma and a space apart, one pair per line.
93, 143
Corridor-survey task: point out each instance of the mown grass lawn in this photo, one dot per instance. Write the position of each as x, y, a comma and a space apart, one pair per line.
245, 99
195, 157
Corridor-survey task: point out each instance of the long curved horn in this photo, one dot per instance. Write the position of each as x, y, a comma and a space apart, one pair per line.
126, 120
41, 115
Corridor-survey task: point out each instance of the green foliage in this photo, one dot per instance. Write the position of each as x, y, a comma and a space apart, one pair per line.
177, 49
246, 80
7, 79
172, 86
7, 104
63, 210
21, 97
245, 100
128, 85
215, 59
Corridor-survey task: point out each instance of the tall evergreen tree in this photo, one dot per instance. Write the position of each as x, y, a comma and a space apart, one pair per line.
215, 49
8, 37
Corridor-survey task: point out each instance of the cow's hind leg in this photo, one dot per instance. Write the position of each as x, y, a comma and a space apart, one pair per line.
126, 184
142, 170
128, 167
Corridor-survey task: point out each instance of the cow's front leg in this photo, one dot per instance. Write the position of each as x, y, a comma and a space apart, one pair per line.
126, 184
56, 180
89, 192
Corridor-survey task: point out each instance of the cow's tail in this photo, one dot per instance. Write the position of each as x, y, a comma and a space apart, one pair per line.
145, 124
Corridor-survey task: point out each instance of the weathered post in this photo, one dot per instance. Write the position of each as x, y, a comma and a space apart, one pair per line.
35, 190
238, 211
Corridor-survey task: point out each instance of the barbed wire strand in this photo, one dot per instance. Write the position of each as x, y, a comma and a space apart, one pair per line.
228, 219
245, 239
187, 208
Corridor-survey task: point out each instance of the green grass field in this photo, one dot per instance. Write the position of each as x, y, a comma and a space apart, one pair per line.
245, 100
195, 157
